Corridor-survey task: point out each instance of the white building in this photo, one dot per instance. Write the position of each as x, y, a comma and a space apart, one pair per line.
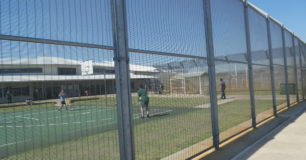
44, 77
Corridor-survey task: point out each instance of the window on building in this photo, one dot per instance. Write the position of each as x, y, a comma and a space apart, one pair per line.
1, 92
20, 70
144, 73
25, 91
102, 71
16, 91
21, 91
66, 71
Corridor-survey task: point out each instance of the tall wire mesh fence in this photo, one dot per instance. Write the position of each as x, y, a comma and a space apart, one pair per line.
278, 64
234, 72
298, 68
61, 79
261, 65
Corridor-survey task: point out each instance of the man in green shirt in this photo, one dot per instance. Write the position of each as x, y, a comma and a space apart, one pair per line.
144, 100
9, 96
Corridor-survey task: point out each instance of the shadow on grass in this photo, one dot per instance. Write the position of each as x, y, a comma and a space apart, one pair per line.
159, 115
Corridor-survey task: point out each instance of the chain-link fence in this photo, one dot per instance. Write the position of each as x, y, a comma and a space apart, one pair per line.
139, 79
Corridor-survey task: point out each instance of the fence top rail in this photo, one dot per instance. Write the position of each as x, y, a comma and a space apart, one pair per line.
288, 30
258, 10
275, 21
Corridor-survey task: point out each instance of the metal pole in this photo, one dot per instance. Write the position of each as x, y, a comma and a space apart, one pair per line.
285, 65
301, 68
2, 90
271, 66
211, 73
123, 88
105, 89
170, 86
250, 68
200, 85
295, 70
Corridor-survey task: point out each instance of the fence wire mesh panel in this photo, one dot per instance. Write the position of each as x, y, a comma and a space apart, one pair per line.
58, 101
68, 20
174, 121
290, 67
303, 60
234, 109
261, 69
175, 124
60, 95
298, 67
232, 78
278, 64
303, 66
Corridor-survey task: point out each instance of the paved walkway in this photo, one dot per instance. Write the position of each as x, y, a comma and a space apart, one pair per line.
220, 101
287, 142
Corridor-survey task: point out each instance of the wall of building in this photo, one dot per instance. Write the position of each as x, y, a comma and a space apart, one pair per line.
46, 69
50, 89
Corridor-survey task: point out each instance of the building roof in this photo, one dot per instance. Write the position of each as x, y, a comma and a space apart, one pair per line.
39, 61
68, 62
133, 67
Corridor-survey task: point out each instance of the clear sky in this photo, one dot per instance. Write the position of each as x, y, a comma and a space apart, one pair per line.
174, 26
292, 13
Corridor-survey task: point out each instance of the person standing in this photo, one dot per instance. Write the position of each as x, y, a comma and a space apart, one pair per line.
8, 96
62, 96
161, 88
223, 86
144, 100
86, 92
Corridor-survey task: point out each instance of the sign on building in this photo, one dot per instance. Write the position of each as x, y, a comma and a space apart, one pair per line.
87, 67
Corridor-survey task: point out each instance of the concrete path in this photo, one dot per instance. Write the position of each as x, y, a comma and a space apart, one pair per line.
220, 101
285, 143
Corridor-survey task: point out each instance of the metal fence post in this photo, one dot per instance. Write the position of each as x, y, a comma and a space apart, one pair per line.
211, 73
285, 65
105, 89
250, 68
124, 102
295, 70
301, 68
271, 66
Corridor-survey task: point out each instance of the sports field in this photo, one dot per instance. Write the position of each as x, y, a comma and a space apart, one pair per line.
89, 128
42, 125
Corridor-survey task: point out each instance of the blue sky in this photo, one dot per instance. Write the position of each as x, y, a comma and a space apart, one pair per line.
292, 13
175, 26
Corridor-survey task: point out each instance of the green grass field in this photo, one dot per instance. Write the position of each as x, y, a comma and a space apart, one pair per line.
89, 129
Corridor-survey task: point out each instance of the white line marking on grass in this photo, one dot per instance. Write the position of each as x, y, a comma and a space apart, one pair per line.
77, 114
94, 120
43, 111
53, 124
28, 114
3, 145
27, 118
8, 144
69, 115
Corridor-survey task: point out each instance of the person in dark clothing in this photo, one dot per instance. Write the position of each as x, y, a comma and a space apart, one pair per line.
161, 89
223, 86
